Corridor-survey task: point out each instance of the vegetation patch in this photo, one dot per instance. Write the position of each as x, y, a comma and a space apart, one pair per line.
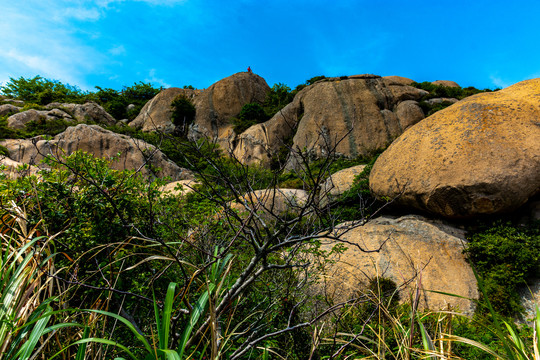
506, 257
183, 113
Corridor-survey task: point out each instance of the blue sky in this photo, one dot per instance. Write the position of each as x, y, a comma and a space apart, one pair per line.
111, 43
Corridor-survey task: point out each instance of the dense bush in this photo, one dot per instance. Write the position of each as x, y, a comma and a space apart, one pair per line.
506, 257
122, 246
183, 113
251, 114
278, 96
42, 91
116, 102
440, 91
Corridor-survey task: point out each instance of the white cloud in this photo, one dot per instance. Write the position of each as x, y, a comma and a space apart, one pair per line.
79, 13
106, 3
117, 50
499, 82
31, 64
153, 79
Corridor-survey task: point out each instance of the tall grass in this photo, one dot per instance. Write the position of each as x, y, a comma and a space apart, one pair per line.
26, 290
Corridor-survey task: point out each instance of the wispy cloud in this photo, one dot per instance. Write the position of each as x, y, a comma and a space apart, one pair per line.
118, 50
78, 13
155, 80
499, 82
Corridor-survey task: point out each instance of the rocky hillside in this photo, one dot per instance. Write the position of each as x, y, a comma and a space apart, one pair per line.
478, 157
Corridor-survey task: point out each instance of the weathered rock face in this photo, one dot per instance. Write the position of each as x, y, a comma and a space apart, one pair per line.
8, 109
399, 79
338, 183
408, 113
447, 83
359, 114
223, 100
260, 142
412, 251
185, 187
134, 154
71, 113
530, 298
18, 121
156, 114
12, 101
14, 169
87, 112
478, 156
266, 203
441, 100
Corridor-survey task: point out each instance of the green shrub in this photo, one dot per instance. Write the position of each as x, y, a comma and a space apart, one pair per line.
505, 256
278, 96
46, 127
116, 102
183, 113
42, 91
251, 114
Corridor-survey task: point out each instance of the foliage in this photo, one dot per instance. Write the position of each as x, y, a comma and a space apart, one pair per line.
156, 278
116, 102
183, 113
25, 288
42, 91
506, 257
33, 128
441, 91
278, 96
161, 344
251, 114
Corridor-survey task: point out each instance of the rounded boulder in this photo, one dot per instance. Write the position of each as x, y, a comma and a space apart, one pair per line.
479, 156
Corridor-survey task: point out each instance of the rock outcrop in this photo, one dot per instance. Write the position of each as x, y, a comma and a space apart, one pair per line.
19, 120
338, 183
179, 188
412, 251
156, 114
447, 83
478, 156
134, 154
8, 109
89, 112
224, 100
399, 79
441, 100
14, 169
272, 202
348, 116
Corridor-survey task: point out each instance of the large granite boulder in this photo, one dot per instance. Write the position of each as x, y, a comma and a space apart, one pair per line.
338, 183
156, 114
447, 83
478, 156
134, 154
224, 100
8, 109
18, 121
411, 251
14, 169
179, 188
271, 203
399, 79
89, 112
349, 116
